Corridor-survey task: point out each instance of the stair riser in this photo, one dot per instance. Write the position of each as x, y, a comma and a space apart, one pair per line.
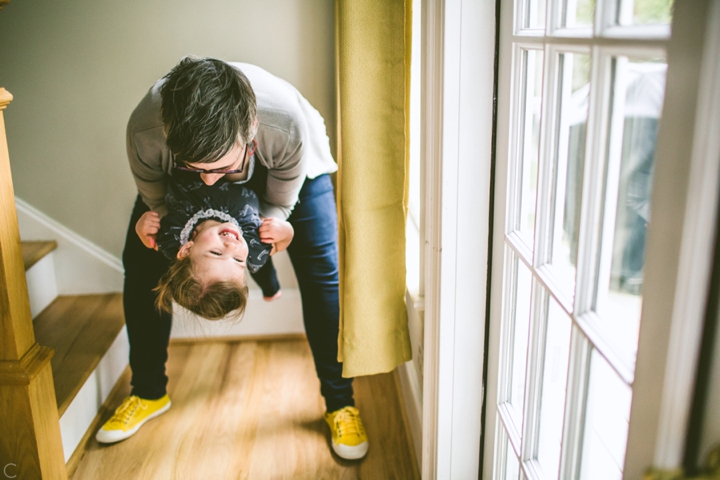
82, 410
42, 284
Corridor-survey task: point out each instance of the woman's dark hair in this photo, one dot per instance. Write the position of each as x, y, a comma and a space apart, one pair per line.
207, 107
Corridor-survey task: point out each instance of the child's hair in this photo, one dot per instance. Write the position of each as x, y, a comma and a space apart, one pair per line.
212, 302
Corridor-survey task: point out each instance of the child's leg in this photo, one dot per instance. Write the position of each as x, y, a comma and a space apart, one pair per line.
266, 278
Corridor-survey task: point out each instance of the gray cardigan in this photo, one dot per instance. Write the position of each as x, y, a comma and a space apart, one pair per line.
292, 144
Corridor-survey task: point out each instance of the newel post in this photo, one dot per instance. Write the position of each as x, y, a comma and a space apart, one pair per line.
30, 443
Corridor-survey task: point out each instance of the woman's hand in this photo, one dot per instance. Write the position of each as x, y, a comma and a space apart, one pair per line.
278, 232
147, 228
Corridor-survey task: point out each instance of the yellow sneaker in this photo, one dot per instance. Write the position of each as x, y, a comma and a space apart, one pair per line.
130, 416
349, 439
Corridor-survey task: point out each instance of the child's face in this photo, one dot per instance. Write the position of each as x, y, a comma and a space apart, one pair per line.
218, 252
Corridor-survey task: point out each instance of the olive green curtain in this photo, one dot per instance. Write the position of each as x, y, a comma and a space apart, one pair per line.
373, 77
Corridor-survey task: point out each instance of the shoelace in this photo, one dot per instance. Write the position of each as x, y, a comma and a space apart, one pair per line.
350, 420
127, 409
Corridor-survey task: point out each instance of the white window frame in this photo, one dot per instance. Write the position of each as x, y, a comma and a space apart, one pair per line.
665, 404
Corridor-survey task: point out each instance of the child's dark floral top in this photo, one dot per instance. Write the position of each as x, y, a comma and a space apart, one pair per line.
190, 202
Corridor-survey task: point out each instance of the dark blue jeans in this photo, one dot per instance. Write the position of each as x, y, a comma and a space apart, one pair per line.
314, 255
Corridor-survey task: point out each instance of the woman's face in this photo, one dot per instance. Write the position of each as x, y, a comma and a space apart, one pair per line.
218, 252
232, 160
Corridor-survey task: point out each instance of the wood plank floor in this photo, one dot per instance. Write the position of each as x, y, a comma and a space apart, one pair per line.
252, 410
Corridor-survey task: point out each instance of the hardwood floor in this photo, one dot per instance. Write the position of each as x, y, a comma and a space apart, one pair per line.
252, 410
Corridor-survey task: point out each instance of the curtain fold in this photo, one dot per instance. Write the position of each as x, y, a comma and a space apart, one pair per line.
373, 76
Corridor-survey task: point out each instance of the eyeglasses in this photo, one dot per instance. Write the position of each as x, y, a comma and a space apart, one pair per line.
249, 148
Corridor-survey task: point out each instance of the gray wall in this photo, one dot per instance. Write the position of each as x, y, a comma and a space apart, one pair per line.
77, 69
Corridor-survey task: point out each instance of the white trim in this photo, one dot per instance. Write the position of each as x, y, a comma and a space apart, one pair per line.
695, 256
81, 267
411, 389
458, 130
432, 92
70, 236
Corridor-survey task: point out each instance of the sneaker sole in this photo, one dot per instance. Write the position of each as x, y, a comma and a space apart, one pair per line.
113, 436
351, 453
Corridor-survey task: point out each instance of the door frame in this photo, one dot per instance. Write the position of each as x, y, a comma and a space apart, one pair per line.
458, 81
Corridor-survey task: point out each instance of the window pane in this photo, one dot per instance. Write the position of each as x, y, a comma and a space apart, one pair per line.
535, 14
507, 466
645, 12
573, 95
641, 87
512, 466
554, 383
606, 423
578, 13
529, 143
521, 322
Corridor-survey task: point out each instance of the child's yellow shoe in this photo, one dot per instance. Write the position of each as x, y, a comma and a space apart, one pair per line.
349, 439
130, 416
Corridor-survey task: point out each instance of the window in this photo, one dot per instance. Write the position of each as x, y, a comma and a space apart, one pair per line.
587, 84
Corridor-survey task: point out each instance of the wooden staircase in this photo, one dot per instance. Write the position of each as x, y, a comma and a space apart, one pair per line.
34, 251
81, 329
57, 369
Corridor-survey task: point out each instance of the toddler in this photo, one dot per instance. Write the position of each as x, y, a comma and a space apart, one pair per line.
212, 236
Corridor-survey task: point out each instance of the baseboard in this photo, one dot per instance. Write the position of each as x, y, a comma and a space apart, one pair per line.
80, 415
280, 337
411, 390
81, 267
280, 317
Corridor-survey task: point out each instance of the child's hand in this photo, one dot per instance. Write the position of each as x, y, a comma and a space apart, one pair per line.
147, 228
278, 232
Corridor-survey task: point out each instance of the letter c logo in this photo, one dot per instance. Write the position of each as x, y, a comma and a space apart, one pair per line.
5, 470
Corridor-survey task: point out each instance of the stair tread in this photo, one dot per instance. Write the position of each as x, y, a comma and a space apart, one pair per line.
34, 251
80, 329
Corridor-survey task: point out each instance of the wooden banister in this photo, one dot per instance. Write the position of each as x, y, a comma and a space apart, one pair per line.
16, 336
30, 443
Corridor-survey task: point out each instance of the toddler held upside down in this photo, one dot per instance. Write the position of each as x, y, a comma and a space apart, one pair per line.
212, 235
